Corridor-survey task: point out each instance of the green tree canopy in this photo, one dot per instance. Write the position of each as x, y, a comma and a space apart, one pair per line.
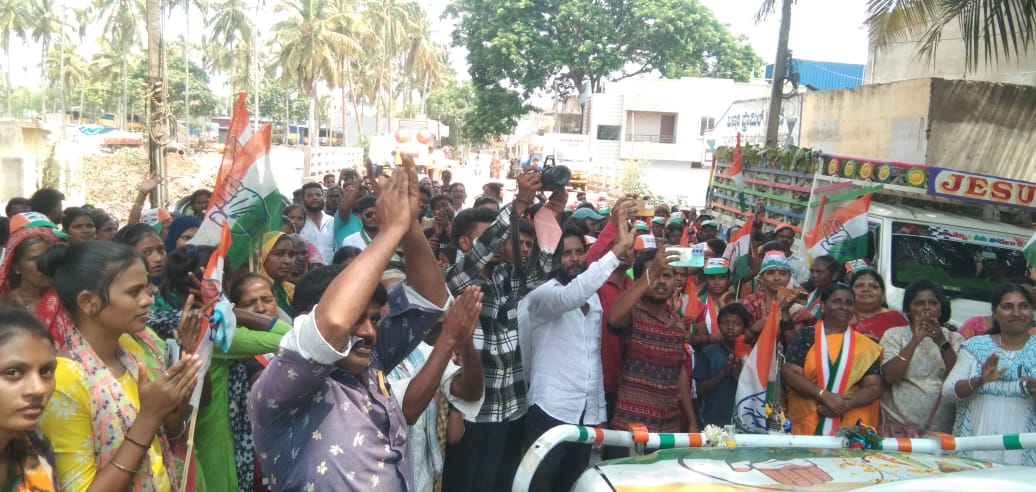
518, 48
452, 105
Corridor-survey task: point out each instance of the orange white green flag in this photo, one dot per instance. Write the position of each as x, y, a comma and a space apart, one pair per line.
842, 234
757, 386
217, 330
245, 195
739, 251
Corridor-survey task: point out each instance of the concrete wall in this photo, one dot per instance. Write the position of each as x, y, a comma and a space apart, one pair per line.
901, 62
983, 128
882, 121
972, 126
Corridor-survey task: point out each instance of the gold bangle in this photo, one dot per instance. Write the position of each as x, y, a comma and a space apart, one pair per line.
123, 468
904, 359
821, 393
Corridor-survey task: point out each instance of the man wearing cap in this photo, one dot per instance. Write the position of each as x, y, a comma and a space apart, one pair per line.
707, 229
717, 284
786, 236
658, 226
586, 215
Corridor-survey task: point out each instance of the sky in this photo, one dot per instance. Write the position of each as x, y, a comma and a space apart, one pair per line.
825, 30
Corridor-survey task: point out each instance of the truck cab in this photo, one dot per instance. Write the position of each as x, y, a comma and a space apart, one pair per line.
966, 256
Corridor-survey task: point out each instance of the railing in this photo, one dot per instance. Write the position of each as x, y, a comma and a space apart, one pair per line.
640, 441
650, 137
331, 160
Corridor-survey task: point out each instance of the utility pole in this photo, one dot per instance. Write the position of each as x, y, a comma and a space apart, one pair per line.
780, 68
157, 109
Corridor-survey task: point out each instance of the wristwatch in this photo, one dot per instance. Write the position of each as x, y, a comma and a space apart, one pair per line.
945, 346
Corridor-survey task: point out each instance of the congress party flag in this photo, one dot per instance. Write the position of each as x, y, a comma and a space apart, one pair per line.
1030, 252
737, 173
246, 195
842, 234
757, 385
739, 250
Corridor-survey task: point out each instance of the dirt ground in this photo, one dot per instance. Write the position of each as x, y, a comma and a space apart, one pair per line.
113, 179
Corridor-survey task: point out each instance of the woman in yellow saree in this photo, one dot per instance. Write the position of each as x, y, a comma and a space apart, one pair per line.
832, 371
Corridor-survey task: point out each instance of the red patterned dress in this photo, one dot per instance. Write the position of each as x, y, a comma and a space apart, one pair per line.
648, 393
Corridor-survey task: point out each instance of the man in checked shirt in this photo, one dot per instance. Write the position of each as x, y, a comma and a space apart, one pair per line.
487, 457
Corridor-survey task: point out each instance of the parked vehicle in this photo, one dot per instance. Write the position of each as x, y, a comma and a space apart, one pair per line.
962, 230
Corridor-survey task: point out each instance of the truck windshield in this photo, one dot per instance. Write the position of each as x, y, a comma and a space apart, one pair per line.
966, 264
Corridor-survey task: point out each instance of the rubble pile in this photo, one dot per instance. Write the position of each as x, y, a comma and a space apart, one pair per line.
113, 179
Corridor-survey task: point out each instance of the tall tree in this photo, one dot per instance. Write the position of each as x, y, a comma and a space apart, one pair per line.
43, 24
990, 29
13, 16
347, 46
232, 35
518, 49
391, 25
122, 28
307, 40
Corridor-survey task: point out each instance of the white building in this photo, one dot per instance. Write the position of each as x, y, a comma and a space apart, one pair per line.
662, 122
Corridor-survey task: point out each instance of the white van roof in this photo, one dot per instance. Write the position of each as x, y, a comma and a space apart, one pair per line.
935, 217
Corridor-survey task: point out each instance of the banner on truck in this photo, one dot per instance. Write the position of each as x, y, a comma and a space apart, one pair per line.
981, 188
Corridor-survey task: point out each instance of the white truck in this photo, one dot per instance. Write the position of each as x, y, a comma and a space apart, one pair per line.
964, 231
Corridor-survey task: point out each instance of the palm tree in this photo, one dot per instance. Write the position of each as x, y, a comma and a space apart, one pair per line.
391, 24
121, 20
43, 25
307, 40
68, 67
347, 47
232, 34
989, 28
13, 16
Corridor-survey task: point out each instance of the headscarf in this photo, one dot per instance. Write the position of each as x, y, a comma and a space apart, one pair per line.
49, 311
314, 256
177, 228
283, 291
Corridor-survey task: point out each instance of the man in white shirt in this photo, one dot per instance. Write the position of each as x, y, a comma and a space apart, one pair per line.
320, 227
785, 235
369, 218
560, 339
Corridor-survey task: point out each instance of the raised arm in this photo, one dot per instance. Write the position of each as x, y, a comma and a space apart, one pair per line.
606, 239
621, 314
422, 271
458, 325
351, 290
147, 186
465, 271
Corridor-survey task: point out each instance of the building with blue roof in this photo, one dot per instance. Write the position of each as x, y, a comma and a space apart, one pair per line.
821, 75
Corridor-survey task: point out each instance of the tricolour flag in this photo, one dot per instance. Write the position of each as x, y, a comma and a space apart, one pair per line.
737, 173
739, 250
842, 234
246, 195
1030, 252
211, 335
757, 385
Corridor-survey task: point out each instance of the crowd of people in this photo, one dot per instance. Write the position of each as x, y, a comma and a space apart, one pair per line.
394, 336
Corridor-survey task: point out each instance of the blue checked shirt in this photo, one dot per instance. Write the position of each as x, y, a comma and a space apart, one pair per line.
496, 337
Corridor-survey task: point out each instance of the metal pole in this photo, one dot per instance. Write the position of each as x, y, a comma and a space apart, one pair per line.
773, 116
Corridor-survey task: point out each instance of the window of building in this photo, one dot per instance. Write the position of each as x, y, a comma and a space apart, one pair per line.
608, 132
